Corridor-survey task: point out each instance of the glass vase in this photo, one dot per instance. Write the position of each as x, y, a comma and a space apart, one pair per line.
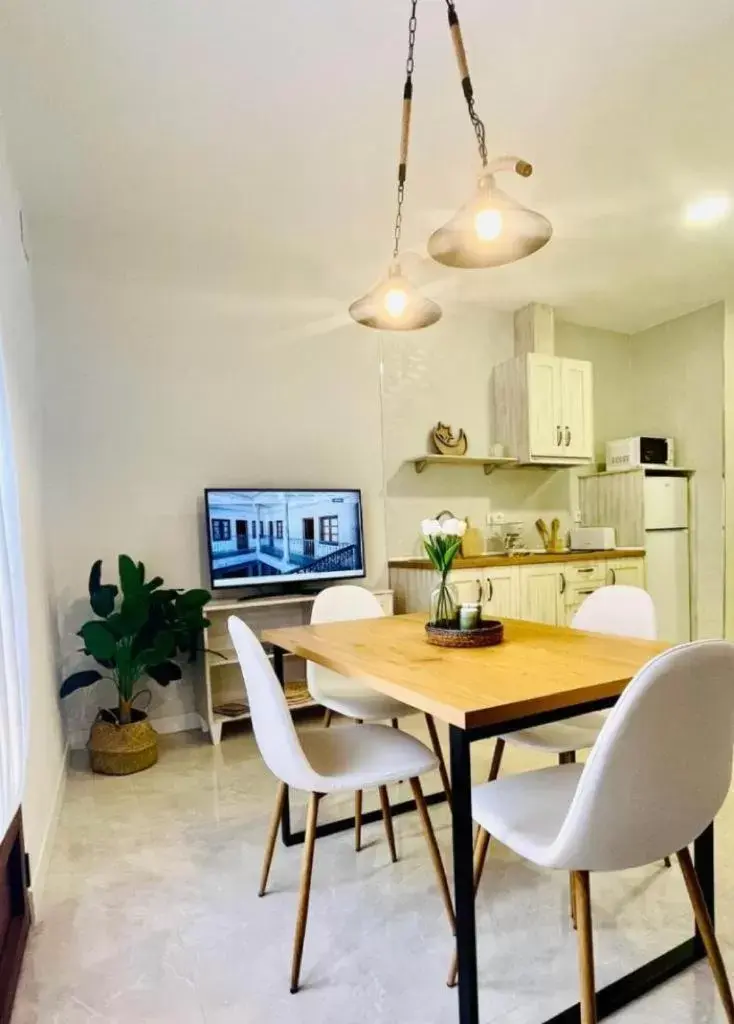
444, 605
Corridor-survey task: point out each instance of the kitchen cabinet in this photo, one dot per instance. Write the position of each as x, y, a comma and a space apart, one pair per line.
541, 594
499, 589
549, 591
628, 572
543, 409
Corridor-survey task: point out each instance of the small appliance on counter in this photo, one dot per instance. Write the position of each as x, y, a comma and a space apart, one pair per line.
593, 538
639, 452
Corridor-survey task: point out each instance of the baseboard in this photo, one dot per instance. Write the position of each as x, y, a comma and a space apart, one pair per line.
39, 869
165, 724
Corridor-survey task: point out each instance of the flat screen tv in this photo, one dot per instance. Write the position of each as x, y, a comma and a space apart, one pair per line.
262, 537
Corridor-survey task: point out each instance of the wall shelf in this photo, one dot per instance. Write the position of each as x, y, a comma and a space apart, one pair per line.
489, 462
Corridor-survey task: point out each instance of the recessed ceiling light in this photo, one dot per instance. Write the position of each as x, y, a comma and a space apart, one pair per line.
708, 210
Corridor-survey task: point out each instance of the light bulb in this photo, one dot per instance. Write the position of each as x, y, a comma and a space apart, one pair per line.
488, 224
395, 302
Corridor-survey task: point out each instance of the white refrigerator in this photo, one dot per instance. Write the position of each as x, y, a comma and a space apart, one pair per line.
665, 516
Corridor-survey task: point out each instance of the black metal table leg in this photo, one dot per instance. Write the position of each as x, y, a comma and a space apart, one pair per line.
466, 940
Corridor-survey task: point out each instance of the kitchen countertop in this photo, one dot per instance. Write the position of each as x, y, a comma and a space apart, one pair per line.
491, 561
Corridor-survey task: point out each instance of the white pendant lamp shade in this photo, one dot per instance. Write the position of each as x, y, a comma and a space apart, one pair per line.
491, 229
394, 304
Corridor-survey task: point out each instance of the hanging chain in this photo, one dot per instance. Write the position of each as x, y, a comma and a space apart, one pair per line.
477, 123
407, 99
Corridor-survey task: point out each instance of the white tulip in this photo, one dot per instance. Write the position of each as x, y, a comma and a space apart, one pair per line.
430, 527
450, 527
462, 527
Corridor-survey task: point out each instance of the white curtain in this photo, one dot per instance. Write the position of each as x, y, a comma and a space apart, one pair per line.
14, 676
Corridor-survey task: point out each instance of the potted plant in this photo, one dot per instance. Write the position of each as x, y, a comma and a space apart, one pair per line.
442, 541
140, 630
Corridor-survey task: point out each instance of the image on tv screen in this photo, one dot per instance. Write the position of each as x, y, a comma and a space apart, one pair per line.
258, 537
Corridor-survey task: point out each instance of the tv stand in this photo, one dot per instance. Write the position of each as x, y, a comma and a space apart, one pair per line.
220, 682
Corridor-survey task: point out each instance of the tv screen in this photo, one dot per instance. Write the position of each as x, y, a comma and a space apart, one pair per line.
259, 537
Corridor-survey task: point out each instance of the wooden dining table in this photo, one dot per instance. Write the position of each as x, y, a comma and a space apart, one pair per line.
539, 674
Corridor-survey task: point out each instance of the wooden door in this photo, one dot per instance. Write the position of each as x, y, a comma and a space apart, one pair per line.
628, 572
502, 593
541, 594
15, 914
309, 537
577, 418
545, 406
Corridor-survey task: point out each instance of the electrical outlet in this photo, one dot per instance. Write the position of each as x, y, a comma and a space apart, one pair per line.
577, 516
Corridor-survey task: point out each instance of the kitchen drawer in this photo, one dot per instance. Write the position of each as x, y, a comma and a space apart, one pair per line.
583, 572
576, 593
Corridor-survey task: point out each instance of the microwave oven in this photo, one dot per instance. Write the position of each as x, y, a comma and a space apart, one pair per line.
638, 452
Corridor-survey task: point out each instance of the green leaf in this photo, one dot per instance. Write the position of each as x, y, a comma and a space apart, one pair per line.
115, 625
134, 612
165, 673
129, 576
99, 641
102, 600
141, 572
153, 584
78, 680
95, 577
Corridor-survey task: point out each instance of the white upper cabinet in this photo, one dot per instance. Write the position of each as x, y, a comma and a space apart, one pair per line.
543, 409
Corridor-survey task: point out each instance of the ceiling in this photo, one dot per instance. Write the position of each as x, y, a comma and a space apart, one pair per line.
257, 142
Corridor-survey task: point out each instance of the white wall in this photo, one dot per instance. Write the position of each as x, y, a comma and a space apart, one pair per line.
155, 389
677, 388
46, 761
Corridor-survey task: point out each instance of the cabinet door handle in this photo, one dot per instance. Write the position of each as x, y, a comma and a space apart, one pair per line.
559, 436
563, 583
614, 575
585, 592
589, 568
568, 436
491, 589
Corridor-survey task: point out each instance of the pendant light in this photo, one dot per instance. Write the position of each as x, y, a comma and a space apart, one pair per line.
394, 304
492, 228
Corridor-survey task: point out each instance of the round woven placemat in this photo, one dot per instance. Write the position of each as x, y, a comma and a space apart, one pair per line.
488, 633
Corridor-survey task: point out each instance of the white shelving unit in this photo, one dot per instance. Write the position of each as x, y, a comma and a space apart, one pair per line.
221, 682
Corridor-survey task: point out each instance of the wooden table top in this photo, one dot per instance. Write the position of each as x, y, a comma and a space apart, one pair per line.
538, 668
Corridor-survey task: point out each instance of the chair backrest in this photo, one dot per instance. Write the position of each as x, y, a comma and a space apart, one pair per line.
661, 767
271, 720
337, 604
619, 611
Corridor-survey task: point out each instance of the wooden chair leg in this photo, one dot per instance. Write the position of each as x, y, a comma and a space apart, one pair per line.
572, 903
272, 836
434, 851
306, 875
481, 847
438, 751
494, 768
387, 821
582, 900
328, 715
706, 928
358, 811
358, 820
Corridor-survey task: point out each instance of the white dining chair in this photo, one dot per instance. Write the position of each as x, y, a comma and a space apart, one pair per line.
616, 611
323, 762
636, 799
353, 698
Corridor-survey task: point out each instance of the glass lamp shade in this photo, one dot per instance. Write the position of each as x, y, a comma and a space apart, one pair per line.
490, 230
394, 304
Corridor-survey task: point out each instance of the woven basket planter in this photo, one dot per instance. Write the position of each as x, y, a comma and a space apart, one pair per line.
123, 749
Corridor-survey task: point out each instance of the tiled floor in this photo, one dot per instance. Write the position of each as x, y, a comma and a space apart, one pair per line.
151, 915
